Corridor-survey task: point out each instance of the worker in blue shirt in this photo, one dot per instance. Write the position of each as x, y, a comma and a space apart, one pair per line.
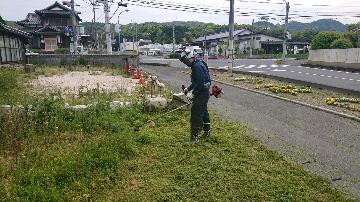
200, 89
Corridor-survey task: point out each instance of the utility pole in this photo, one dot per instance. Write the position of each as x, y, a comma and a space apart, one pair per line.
107, 27
74, 26
252, 39
231, 37
93, 27
285, 30
173, 29
205, 51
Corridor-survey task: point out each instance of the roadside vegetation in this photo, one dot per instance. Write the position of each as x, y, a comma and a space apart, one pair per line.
52, 153
314, 96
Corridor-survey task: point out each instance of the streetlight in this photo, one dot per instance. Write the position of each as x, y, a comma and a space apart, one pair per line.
118, 24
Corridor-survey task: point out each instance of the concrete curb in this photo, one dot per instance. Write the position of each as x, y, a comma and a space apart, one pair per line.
155, 64
292, 101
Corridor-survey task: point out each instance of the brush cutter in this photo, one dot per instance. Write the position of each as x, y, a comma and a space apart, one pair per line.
216, 91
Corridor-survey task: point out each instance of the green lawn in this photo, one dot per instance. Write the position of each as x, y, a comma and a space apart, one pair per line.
58, 154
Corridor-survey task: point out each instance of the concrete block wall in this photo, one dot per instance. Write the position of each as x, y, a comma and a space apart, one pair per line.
341, 58
91, 59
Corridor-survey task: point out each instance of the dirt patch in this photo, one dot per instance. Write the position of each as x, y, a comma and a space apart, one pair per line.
73, 82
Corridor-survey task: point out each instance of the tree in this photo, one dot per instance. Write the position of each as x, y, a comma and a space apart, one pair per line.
355, 28
1, 20
341, 44
323, 40
353, 37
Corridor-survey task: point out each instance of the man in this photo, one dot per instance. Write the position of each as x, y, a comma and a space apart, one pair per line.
200, 87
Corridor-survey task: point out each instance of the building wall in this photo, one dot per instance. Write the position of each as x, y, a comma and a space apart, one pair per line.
256, 41
11, 49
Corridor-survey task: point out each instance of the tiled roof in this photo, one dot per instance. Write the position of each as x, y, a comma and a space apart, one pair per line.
55, 29
49, 10
31, 19
14, 31
218, 36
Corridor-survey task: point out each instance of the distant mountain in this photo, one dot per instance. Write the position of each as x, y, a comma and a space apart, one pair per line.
319, 25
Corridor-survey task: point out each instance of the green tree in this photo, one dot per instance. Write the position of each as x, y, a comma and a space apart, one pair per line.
341, 44
323, 40
353, 37
1, 20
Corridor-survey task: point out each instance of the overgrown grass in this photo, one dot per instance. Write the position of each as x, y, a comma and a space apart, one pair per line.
52, 153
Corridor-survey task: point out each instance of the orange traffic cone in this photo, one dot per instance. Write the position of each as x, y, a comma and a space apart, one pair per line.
142, 80
136, 74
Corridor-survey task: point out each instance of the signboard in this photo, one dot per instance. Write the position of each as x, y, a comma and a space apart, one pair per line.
117, 28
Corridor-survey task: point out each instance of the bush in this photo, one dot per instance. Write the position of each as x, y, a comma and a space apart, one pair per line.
62, 51
323, 40
341, 44
174, 56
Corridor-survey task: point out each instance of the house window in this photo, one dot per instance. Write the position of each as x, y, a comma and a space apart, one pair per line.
51, 43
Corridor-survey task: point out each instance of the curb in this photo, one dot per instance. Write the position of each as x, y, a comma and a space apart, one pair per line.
155, 64
292, 101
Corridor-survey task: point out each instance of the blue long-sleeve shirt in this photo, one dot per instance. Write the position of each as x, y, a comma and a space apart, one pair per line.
200, 77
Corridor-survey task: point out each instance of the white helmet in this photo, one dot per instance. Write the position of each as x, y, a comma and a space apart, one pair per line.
187, 54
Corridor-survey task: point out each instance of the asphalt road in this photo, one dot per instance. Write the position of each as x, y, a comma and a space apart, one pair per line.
324, 143
291, 70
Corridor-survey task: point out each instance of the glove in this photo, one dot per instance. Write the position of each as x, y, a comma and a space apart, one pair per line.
190, 96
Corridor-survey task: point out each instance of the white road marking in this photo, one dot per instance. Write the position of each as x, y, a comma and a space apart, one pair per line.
316, 68
315, 74
307, 73
279, 70
224, 67
292, 71
238, 67
250, 67
300, 72
285, 65
347, 72
256, 71
274, 66
268, 68
322, 75
307, 67
357, 80
329, 76
351, 79
336, 77
339, 71
356, 73
343, 78
261, 66
331, 70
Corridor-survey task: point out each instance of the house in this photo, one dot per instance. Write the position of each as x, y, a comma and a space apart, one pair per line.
216, 44
51, 27
12, 44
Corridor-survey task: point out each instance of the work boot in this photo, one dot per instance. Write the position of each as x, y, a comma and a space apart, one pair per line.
207, 131
194, 136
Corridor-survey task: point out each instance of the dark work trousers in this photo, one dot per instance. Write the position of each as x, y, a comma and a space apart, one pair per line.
199, 110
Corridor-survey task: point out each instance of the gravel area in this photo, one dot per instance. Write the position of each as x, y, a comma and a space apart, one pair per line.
73, 82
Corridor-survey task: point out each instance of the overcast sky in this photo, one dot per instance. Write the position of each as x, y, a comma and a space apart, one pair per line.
346, 11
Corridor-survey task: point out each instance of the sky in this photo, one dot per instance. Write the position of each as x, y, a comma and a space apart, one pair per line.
300, 10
